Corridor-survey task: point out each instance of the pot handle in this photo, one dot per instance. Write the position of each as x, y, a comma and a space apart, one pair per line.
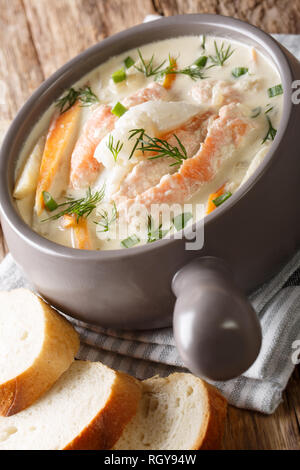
216, 329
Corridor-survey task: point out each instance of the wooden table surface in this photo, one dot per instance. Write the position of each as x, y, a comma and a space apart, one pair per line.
38, 36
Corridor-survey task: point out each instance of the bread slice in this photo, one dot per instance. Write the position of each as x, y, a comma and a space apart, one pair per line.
36, 346
180, 412
86, 409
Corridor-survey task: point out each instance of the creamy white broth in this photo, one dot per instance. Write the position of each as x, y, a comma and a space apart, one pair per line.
252, 86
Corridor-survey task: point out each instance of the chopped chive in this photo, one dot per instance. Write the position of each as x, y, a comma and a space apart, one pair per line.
219, 200
239, 71
130, 241
50, 203
201, 62
181, 220
269, 109
129, 62
256, 112
275, 91
119, 75
118, 110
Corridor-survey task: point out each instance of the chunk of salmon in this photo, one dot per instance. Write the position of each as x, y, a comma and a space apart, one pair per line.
153, 92
148, 173
215, 93
84, 167
55, 165
225, 135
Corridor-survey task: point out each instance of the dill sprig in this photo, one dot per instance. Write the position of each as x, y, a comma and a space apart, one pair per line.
270, 135
155, 234
84, 94
194, 71
160, 147
222, 54
148, 68
115, 150
82, 207
107, 219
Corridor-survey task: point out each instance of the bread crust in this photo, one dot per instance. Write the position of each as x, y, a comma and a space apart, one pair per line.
60, 345
215, 411
209, 432
211, 435
107, 426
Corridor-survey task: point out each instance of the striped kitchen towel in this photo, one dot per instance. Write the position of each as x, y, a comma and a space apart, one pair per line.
146, 353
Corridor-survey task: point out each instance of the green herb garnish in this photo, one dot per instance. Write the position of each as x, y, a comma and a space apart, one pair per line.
270, 135
201, 62
114, 150
219, 200
82, 207
256, 112
222, 54
130, 241
129, 62
239, 71
148, 68
84, 94
160, 147
181, 220
275, 91
268, 110
193, 72
202, 45
106, 220
118, 110
50, 203
119, 75
155, 234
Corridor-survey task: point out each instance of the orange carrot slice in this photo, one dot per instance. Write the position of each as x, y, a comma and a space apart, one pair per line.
55, 164
254, 54
67, 221
169, 78
210, 204
80, 233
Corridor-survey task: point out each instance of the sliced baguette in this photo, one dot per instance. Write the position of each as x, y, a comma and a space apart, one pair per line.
86, 409
180, 412
36, 346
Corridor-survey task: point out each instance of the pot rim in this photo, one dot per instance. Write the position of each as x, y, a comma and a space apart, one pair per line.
219, 22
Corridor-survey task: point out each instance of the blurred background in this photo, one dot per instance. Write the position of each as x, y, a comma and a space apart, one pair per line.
38, 36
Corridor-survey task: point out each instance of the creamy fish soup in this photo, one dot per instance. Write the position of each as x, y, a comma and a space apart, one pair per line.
130, 153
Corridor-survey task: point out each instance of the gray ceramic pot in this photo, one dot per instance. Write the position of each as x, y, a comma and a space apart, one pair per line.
246, 240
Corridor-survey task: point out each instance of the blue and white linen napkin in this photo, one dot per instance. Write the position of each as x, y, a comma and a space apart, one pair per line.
146, 353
